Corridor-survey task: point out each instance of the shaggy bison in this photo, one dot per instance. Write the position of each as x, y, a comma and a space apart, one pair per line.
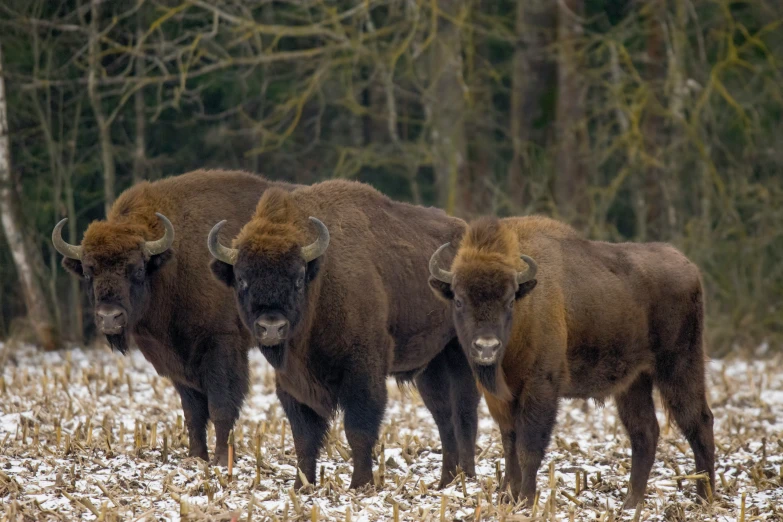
328, 278
151, 283
543, 314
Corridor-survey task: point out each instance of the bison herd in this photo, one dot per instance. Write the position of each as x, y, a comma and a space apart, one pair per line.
330, 281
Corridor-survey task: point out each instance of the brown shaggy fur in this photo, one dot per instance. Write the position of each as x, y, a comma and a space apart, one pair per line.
362, 314
599, 320
183, 321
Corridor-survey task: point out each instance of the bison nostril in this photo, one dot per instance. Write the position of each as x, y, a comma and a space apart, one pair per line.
485, 349
271, 328
282, 330
110, 317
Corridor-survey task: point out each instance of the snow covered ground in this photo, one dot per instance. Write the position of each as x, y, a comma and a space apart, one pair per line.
83, 433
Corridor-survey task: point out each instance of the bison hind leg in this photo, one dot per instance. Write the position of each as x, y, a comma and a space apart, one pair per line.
465, 399
363, 398
433, 385
195, 408
637, 413
683, 394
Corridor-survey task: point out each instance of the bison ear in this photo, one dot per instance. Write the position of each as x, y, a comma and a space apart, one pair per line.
525, 288
157, 261
74, 266
312, 268
441, 289
223, 272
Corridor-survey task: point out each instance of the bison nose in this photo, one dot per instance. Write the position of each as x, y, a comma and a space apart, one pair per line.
485, 349
111, 319
271, 329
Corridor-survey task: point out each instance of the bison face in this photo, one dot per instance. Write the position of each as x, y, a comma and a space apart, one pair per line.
117, 275
482, 298
483, 312
271, 288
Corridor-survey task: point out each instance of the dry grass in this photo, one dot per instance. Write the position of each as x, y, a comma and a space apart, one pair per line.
88, 434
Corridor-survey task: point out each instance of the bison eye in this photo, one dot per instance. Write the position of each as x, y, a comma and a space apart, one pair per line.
242, 284
299, 283
458, 303
511, 303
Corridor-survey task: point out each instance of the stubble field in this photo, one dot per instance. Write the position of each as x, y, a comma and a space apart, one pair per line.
89, 434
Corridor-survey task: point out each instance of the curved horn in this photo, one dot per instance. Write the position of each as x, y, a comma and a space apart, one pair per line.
436, 271
153, 248
66, 249
317, 247
530, 273
218, 251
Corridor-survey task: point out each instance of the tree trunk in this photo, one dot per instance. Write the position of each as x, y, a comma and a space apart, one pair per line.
655, 215
139, 154
570, 171
104, 126
531, 75
23, 256
446, 104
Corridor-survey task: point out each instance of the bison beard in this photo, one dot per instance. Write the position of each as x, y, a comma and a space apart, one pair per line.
275, 355
200, 347
491, 379
119, 342
349, 319
566, 344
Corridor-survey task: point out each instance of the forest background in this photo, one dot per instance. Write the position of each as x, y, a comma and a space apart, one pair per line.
633, 120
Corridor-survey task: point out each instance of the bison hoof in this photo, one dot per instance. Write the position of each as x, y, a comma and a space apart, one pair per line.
360, 482
631, 501
220, 460
199, 454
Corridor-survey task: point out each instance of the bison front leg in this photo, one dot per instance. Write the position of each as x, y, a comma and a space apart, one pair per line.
309, 430
194, 405
363, 397
512, 479
534, 423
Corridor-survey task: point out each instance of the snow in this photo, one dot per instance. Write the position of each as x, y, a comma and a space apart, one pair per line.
96, 468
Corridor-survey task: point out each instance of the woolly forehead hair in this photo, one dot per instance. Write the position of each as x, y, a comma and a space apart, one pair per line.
131, 221
105, 239
489, 243
276, 228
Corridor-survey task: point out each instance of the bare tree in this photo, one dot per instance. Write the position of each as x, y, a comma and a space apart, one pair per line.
531, 75
570, 171
104, 123
139, 153
446, 105
23, 256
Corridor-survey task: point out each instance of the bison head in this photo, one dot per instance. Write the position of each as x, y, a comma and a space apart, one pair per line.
483, 293
116, 263
270, 271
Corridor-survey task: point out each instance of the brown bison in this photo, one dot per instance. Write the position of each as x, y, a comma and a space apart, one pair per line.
150, 283
328, 278
543, 314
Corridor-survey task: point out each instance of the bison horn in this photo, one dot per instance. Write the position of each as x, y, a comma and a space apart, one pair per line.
530, 273
66, 249
436, 271
218, 251
316, 249
153, 248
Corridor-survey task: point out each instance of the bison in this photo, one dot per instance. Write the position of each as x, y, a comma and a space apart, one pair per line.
543, 313
328, 280
153, 284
